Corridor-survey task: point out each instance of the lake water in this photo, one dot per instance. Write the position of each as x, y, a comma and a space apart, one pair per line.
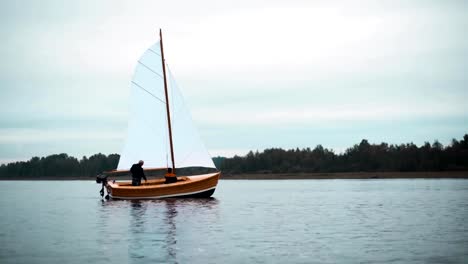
296, 221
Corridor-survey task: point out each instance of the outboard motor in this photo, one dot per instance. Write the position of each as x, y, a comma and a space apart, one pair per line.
101, 178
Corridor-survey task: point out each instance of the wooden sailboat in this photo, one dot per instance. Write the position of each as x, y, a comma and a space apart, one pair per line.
150, 134
198, 186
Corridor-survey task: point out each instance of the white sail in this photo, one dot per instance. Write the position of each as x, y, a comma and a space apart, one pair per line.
147, 135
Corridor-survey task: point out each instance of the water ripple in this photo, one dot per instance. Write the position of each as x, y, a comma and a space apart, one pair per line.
326, 221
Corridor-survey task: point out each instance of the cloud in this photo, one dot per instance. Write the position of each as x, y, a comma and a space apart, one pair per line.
284, 115
24, 136
246, 64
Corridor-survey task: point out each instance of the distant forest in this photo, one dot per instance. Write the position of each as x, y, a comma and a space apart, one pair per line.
59, 165
362, 157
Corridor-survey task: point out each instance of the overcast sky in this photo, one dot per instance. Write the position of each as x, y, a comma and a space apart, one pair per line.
256, 74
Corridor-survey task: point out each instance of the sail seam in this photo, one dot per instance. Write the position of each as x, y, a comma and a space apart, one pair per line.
139, 86
150, 69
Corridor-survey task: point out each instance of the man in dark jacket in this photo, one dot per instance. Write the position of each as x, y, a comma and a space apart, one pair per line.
137, 173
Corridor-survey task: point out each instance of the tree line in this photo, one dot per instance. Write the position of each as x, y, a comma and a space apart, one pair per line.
59, 165
363, 157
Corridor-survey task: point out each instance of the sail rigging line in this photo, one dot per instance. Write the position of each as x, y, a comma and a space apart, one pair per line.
155, 52
172, 98
141, 87
166, 143
150, 69
167, 100
187, 156
171, 79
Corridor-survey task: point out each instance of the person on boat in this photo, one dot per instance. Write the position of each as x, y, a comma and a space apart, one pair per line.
137, 173
170, 176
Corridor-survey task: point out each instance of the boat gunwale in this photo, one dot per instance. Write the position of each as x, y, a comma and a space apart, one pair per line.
127, 171
159, 183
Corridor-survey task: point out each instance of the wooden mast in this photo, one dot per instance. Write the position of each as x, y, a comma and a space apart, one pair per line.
167, 102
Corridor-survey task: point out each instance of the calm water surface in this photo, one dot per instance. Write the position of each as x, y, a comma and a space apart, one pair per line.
297, 221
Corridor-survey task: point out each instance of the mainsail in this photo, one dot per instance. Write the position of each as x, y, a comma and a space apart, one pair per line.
147, 135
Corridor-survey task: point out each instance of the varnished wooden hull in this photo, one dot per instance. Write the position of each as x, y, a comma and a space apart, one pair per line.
190, 186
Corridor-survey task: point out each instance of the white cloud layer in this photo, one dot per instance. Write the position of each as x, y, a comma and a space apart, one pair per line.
239, 63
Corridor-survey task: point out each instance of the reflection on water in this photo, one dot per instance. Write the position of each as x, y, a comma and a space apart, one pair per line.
169, 219
137, 222
152, 224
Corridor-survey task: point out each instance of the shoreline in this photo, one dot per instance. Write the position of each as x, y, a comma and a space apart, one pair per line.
351, 175
290, 176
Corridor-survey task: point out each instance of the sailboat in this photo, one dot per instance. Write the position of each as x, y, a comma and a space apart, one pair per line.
162, 134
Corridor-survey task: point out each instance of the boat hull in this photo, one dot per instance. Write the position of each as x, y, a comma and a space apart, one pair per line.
199, 186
